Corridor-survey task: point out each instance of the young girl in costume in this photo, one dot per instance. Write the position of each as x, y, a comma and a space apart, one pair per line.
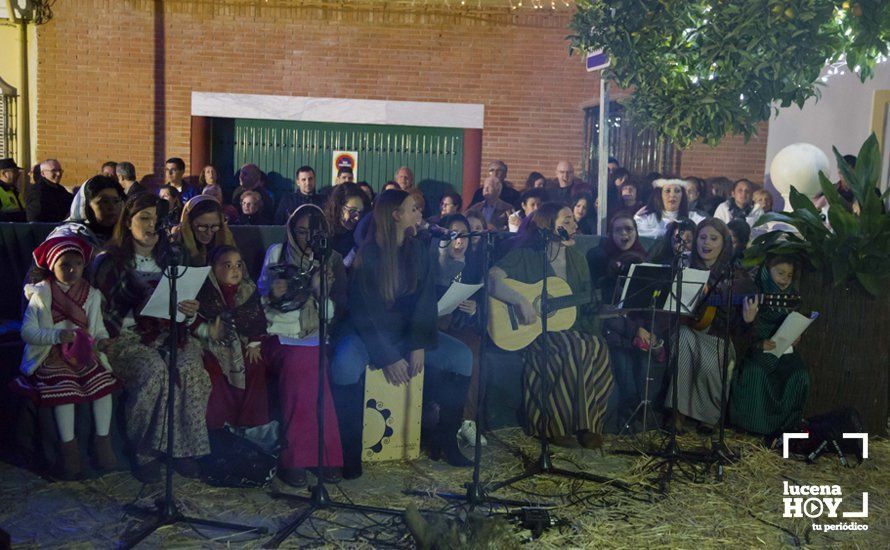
232, 327
63, 334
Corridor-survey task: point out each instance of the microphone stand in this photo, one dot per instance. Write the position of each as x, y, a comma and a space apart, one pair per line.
166, 512
671, 456
721, 455
544, 464
318, 498
475, 492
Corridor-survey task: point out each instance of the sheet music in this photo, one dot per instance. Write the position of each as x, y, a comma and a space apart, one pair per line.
456, 293
187, 287
694, 281
793, 326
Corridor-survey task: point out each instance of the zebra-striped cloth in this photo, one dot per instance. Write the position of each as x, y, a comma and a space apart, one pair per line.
574, 385
57, 382
699, 376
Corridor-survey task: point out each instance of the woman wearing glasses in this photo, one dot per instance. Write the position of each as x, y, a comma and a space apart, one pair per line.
346, 206
202, 229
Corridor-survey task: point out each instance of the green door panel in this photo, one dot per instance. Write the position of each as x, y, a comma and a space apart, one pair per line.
280, 147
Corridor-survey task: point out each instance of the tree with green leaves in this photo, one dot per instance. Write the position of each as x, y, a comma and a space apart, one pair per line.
702, 69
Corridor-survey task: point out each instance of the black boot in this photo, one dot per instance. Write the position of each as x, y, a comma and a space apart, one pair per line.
451, 394
349, 401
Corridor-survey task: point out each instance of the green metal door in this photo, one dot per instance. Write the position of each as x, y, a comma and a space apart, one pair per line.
280, 147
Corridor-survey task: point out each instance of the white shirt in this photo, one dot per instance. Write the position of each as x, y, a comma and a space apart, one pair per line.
648, 224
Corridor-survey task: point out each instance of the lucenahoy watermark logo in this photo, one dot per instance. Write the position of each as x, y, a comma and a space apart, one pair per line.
822, 501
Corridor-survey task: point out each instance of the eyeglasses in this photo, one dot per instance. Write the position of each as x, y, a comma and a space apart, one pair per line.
208, 228
351, 212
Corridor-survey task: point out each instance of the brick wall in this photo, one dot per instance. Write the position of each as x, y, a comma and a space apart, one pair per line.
115, 77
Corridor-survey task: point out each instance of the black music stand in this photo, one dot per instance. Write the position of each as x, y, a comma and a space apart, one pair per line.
645, 289
672, 456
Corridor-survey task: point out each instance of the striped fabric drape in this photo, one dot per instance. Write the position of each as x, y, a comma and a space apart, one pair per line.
574, 384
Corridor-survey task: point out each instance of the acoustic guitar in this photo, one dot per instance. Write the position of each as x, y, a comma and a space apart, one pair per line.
713, 302
503, 319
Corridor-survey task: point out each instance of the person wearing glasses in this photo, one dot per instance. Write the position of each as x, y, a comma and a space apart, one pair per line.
47, 199
202, 228
510, 192
174, 172
252, 209
346, 206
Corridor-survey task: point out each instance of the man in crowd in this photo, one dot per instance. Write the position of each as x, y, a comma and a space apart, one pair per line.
739, 205
493, 210
174, 172
48, 200
344, 175
566, 186
11, 207
109, 168
510, 192
304, 194
405, 178
126, 176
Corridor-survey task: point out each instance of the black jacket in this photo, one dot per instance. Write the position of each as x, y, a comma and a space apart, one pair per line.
47, 202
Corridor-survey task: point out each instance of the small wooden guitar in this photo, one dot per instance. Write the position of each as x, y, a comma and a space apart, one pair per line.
503, 319
716, 301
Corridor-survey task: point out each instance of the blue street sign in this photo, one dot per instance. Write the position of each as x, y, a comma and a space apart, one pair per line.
596, 60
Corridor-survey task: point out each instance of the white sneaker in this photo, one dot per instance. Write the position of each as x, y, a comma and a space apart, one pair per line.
467, 433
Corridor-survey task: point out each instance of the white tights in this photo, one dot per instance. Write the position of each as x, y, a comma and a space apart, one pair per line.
101, 415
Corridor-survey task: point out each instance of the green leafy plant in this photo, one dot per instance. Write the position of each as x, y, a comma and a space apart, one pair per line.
701, 69
856, 250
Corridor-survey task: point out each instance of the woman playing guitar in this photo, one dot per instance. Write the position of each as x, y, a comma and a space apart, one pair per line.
572, 378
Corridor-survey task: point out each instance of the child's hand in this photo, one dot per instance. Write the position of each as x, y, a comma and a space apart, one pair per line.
254, 354
768, 345
67, 336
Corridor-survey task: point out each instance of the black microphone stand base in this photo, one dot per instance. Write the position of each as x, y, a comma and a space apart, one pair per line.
168, 514
319, 499
544, 466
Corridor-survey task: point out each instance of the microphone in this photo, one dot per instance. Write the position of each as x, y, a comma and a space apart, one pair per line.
441, 232
563, 234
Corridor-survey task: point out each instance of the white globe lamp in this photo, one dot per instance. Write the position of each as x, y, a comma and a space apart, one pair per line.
799, 165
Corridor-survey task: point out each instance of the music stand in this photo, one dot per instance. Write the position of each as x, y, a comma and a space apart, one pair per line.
671, 456
645, 289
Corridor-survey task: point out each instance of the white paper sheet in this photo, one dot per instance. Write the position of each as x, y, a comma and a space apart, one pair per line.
694, 281
187, 287
793, 326
456, 293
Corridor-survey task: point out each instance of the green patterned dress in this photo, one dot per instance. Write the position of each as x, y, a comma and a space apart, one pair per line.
769, 393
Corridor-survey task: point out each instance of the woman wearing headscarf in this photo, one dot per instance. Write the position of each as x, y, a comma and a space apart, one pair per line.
203, 227
769, 393
94, 212
290, 288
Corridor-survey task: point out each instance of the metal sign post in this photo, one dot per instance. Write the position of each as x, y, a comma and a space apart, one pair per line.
597, 60
603, 155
